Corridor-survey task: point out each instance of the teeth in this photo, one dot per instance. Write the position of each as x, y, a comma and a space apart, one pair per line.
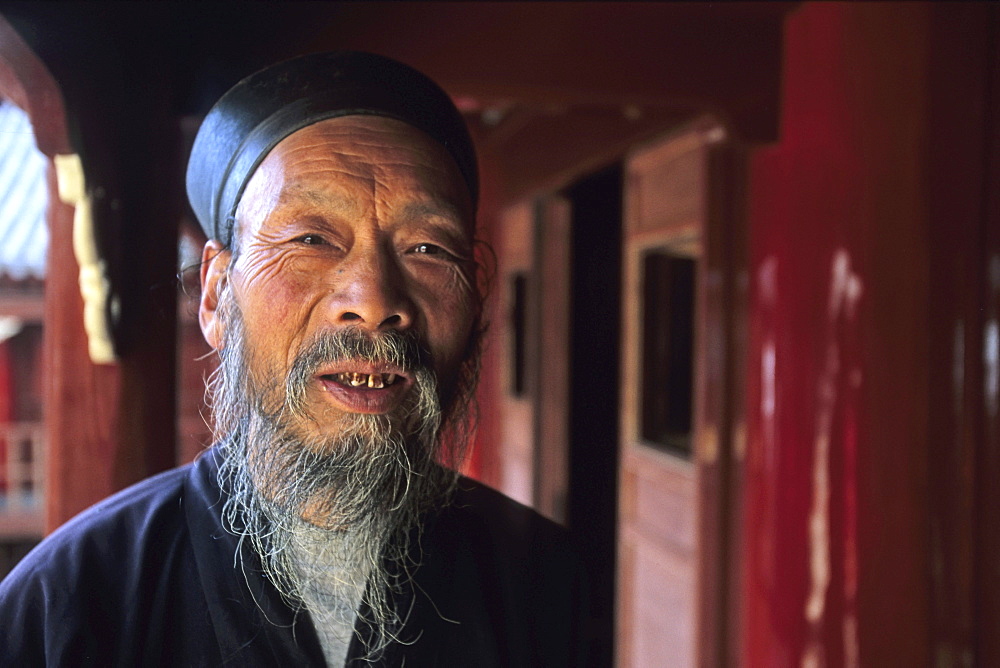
375, 381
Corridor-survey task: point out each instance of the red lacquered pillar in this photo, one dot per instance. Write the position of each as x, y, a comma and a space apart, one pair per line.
812, 304
868, 344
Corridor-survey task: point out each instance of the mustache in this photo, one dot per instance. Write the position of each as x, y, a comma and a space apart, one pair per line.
402, 349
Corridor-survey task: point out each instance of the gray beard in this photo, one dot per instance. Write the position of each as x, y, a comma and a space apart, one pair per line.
370, 481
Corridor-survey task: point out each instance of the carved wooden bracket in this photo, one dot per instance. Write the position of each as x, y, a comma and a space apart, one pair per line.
95, 288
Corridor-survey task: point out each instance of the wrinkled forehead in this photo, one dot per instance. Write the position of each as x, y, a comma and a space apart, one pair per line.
347, 163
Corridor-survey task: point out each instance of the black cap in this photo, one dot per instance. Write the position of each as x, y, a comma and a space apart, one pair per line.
260, 111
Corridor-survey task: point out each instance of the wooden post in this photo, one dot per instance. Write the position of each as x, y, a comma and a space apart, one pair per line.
872, 442
109, 425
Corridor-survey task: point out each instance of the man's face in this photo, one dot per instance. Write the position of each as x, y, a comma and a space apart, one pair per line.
356, 222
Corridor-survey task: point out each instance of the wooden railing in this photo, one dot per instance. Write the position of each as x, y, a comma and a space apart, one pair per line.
22, 468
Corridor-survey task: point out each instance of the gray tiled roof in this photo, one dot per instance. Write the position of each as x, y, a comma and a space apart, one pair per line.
24, 236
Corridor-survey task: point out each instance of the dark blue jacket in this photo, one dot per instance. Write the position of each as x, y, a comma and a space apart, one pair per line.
149, 577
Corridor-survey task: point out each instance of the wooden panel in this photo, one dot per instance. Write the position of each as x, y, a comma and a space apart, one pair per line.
667, 205
517, 423
534, 433
662, 584
552, 417
654, 220
657, 550
666, 186
658, 495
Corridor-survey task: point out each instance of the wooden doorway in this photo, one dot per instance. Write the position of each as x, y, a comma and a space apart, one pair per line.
675, 413
561, 283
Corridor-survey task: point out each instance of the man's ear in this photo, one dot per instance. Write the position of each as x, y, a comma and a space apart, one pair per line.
214, 274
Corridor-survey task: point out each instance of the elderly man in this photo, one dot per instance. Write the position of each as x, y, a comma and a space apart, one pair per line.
327, 524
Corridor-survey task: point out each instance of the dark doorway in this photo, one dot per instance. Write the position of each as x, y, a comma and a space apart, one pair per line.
596, 203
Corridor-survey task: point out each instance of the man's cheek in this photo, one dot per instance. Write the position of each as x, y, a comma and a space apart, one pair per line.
281, 307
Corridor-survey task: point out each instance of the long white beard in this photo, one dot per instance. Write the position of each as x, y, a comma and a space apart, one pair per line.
373, 478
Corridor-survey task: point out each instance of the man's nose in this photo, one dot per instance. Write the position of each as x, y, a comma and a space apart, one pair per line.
372, 292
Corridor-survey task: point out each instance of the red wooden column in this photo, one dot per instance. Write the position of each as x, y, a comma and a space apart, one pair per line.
108, 425
80, 397
869, 344
6, 412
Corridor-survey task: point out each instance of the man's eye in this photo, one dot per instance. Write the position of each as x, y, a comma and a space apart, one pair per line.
429, 249
311, 239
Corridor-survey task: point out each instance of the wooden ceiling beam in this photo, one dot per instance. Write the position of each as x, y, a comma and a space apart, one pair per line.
724, 59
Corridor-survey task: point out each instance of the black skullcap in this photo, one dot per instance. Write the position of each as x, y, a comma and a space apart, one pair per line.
260, 111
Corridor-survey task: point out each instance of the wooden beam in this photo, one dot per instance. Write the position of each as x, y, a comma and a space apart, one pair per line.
30, 307
722, 59
26, 81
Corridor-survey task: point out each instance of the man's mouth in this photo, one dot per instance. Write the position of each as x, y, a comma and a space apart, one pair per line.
376, 381
369, 391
